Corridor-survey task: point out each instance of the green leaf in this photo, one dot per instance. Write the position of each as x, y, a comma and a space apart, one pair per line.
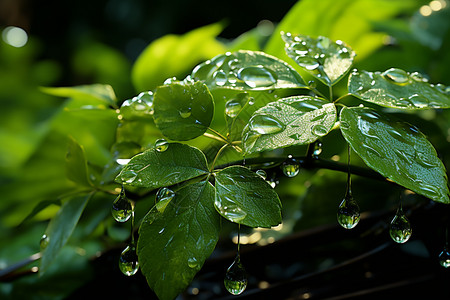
247, 70
100, 92
289, 121
244, 197
396, 150
76, 164
323, 58
183, 110
154, 169
175, 55
174, 244
398, 89
61, 227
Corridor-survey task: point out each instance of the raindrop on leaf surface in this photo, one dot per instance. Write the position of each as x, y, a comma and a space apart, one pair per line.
185, 113
161, 145
128, 261
220, 78
444, 258
307, 62
121, 208
400, 228
264, 124
257, 77
233, 107
163, 198
43, 243
398, 76
128, 176
348, 214
235, 280
192, 262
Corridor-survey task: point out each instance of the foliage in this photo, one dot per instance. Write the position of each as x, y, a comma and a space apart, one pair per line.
193, 153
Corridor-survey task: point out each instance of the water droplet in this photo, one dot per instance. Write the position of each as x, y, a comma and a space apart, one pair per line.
192, 262
317, 149
424, 160
418, 101
312, 84
444, 258
161, 145
257, 77
418, 77
121, 208
250, 139
185, 113
299, 49
170, 80
348, 214
265, 124
43, 243
319, 130
163, 198
233, 107
344, 125
233, 64
307, 62
236, 277
398, 76
220, 78
128, 261
400, 228
232, 78
229, 209
290, 168
128, 176
262, 173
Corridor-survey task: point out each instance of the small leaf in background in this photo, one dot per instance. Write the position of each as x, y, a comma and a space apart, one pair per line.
175, 55
76, 164
323, 58
396, 150
154, 169
183, 110
61, 227
100, 92
244, 197
289, 121
247, 70
175, 242
398, 89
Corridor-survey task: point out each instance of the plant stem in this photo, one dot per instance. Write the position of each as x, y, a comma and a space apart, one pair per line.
214, 137
218, 134
217, 155
330, 89
341, 97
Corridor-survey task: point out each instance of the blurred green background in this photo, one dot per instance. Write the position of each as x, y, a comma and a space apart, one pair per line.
134, 45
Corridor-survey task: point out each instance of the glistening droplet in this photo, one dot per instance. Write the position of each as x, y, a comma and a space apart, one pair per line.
307, 62
128, 261
257, 76
43, 243
398, 76
319, 130
235, 280
121, 208
400, 228
128, 176
233, 107
163, 198
348, 214
161, 145
185, 112
290, 168
317, 149
444, 258
220, 78
265, 124
192, 262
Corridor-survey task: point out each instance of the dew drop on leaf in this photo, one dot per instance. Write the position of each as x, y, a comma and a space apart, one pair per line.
264, 124
128, 176
121, 208
185, 113
43, 243
163, 198
319, 130
400, 228
161, 145
307, 62
398, 76
262, 173
128, 261
348, 214
235, 280
444, 258
257, 76
192, 262
233, 107
220, 78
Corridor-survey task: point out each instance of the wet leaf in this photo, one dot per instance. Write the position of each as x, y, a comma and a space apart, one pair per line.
244, 197
396, 150
247, 70
323, 58
61, 227
289, 121
398, 89
174, 243
154, 169
99, 92
183, 110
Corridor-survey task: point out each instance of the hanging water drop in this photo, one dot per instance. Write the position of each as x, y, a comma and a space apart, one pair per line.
128, 261
233, 107
43, 243
236, 278
161, 145
290, 168
121, 208
262, 173
317, 149
444, 258
163, 198
400, 228
398, 76
264, 124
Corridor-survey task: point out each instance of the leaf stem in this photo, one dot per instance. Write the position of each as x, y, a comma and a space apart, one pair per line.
341, 97
217, 155
214, 137
330, 90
